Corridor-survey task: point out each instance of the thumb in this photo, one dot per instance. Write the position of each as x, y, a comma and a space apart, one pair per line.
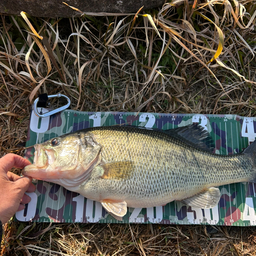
23, 184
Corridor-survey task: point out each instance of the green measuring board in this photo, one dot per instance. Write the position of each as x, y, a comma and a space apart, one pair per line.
53, 203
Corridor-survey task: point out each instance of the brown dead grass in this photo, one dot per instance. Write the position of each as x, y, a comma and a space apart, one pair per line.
160, 62
134, 239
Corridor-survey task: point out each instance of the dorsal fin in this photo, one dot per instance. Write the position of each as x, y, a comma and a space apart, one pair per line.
193, 135
251, 149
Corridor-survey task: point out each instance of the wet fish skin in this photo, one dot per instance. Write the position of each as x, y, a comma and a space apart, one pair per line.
128, 166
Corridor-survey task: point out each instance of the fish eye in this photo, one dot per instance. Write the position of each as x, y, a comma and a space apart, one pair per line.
54, 142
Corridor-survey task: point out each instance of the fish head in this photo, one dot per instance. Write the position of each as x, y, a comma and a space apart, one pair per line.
65, 157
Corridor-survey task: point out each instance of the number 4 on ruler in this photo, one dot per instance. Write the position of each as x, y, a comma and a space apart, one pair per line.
248, 129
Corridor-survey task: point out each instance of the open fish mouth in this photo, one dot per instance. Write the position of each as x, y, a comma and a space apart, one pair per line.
42, 159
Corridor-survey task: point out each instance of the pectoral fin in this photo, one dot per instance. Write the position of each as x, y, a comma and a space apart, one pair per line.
117, 170
116, 209
206, 199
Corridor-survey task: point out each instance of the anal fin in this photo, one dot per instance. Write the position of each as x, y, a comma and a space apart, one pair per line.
116, 209
206, 199
116, 217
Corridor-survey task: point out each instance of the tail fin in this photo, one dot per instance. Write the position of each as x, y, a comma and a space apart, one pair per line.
250, 151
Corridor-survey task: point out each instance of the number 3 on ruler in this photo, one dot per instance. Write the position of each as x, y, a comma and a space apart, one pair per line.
31, 209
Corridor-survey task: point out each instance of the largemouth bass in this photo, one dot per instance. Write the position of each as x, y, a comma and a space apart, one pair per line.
127, 166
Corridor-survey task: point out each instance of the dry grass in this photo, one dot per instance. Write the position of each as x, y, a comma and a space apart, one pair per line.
186, 57
115, 239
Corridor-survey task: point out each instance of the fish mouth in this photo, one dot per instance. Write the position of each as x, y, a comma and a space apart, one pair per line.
42, 159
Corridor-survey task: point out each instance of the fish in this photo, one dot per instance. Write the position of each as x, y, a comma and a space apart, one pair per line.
127, 166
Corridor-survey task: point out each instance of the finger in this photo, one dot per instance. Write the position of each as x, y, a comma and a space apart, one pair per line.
11, 160
23, 184
12, 176
25, 199
21, 207
31, 188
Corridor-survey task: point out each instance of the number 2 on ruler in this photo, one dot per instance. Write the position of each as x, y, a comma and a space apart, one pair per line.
149, 118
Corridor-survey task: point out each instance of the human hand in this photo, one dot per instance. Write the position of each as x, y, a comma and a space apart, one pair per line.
13, 187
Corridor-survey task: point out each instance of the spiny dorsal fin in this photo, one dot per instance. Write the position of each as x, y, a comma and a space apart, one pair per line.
193, 135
